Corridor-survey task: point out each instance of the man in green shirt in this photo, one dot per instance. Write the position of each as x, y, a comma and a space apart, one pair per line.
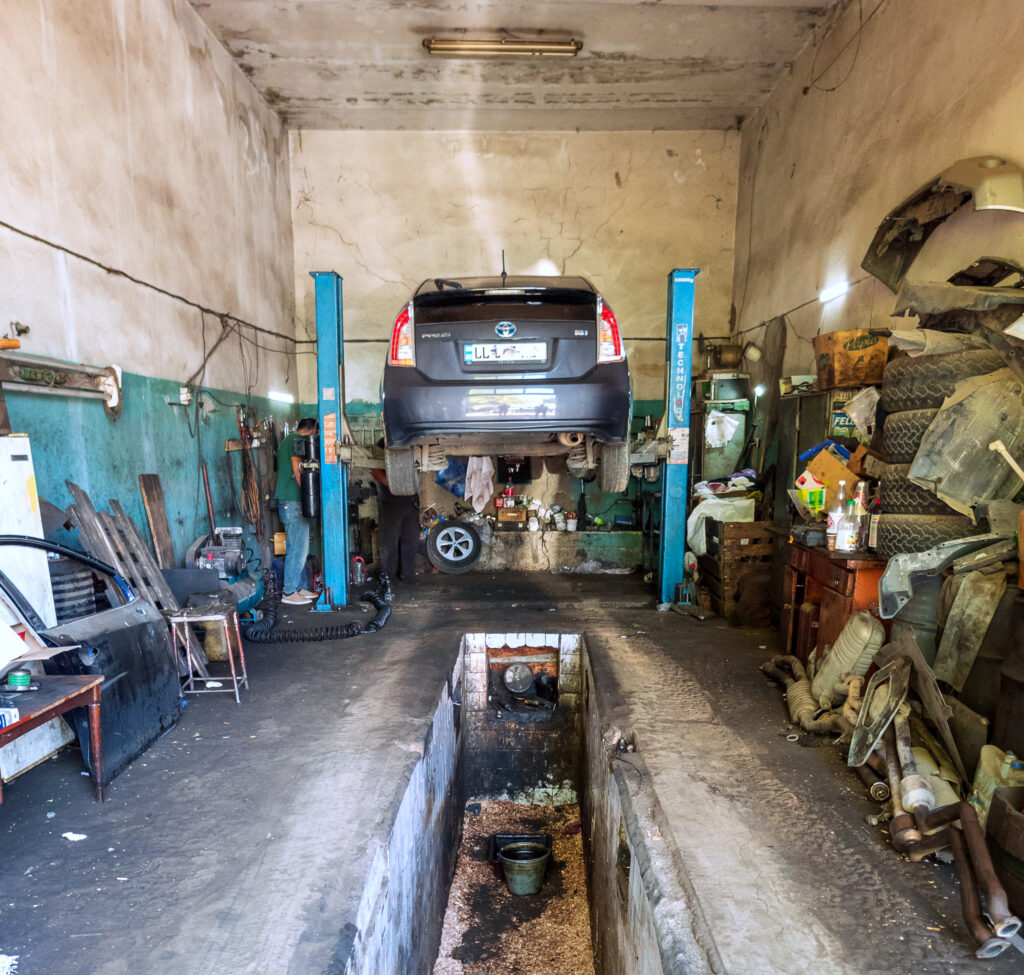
289, 510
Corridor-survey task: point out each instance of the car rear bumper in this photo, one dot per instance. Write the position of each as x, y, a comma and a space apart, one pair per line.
416, 410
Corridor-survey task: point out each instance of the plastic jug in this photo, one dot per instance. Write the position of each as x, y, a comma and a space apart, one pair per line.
996, 769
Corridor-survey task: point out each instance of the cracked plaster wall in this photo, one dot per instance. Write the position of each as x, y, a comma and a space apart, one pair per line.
131, 137
388, 209
819, 171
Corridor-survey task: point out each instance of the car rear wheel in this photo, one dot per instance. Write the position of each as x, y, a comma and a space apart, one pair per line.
400, 467
614, 472
453, 547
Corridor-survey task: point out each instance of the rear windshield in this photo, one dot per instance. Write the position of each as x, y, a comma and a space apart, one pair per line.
527, 304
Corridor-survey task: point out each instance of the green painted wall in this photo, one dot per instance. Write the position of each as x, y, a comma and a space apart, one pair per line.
72, 439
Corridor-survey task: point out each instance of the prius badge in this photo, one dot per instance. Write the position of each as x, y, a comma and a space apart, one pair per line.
505, 330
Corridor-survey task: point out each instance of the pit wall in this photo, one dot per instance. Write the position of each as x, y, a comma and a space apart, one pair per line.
399, 919
644, 918
861, 123
537, 763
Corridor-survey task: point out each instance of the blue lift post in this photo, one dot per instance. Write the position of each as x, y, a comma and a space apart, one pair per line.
679, 356
333, 473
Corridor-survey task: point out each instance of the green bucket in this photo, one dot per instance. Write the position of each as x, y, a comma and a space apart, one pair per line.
524, 865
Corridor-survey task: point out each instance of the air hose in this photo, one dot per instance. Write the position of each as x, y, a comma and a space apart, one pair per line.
265, 630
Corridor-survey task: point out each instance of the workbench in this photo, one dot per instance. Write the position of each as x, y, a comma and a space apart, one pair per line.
821, 591
57, 696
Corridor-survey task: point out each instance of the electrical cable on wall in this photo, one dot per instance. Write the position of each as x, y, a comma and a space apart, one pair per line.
117, 272
856, 36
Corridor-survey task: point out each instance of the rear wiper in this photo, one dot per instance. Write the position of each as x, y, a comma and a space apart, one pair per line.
442, 283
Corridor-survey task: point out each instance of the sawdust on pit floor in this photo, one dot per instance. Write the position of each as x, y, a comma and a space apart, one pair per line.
488, 931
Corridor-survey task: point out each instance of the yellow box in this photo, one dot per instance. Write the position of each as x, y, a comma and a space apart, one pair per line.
279, 543
814, 499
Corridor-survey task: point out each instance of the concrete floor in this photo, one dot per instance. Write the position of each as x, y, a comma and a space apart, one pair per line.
239, 842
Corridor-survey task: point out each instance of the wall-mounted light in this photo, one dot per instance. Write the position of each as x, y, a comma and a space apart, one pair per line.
500, 47
834, 291
279, 397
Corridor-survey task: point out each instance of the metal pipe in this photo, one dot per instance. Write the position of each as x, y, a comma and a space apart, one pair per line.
1005, 924
970, 906
209, 501
877, 789
914, 788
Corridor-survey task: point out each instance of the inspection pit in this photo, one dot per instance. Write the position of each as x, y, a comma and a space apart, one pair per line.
518, 745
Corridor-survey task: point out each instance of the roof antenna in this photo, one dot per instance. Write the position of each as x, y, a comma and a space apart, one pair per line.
504, 273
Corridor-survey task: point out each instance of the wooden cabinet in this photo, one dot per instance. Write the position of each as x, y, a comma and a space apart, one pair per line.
821, 591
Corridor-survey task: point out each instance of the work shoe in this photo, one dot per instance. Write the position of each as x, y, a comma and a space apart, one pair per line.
295, 599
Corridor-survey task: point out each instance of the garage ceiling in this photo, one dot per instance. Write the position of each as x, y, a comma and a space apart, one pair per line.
360, 64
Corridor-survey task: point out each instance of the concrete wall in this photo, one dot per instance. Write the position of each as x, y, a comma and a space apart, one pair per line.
388, 209
130, 138
917, 91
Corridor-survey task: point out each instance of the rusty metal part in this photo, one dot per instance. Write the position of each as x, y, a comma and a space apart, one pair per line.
892, 681
924, 685
209, 501
877, 789
988, 945
788, 671
915, 793
1004, 923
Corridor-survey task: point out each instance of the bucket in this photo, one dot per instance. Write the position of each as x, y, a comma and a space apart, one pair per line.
524, 865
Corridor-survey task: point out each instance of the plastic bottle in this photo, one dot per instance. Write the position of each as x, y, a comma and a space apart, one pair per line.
996, 769
852, 653
509, 490
847, 530
835, 513
860, 507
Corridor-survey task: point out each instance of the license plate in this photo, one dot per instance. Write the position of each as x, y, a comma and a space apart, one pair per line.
505, 352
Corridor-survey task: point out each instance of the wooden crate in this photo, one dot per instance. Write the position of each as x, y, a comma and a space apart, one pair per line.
733, 548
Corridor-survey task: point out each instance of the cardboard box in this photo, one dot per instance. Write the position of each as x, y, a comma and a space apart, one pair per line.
853, 358
866, 463
830, 471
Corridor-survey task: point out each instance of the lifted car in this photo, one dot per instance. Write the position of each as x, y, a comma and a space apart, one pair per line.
511, 366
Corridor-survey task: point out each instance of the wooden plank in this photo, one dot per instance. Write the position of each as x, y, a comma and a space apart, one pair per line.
146, 566
156, 515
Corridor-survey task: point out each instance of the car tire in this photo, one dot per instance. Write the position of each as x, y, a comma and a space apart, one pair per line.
902, 435
614, 471
901, 496
898, 534
453, 547
923, 382
400, 467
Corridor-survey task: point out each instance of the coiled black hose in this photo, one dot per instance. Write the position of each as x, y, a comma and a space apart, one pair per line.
265, 630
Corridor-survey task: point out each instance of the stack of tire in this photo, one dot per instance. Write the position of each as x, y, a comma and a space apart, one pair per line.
913, 388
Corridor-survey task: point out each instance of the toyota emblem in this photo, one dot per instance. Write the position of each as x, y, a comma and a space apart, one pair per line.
505, 330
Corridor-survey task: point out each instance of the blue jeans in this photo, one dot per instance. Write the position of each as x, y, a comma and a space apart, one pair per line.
297, 548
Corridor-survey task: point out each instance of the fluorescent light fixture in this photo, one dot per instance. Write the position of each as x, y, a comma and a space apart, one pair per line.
279, 397
834, 291
500, 47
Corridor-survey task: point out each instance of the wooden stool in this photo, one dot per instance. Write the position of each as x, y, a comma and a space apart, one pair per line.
182, 621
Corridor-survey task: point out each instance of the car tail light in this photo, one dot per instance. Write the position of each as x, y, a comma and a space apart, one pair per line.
609, 342
403, 351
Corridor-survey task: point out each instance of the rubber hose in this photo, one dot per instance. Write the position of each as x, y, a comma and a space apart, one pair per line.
265, 630
383, 608
306, 634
